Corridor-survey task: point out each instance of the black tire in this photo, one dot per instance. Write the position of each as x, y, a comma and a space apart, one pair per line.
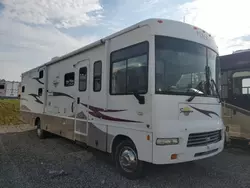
137, 171
39, 131
227, 140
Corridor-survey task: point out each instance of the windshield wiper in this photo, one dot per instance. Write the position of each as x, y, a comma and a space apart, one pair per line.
206, 84
208, 71
216, 89
196, 92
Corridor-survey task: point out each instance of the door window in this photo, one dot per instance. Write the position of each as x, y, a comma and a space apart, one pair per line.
83, 79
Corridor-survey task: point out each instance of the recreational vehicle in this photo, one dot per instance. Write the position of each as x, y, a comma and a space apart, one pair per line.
235, 87
147, 93
9, 89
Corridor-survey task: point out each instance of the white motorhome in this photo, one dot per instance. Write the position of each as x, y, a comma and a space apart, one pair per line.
9, 89
122, 95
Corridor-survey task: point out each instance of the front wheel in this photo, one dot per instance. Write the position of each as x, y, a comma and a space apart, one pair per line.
127, 161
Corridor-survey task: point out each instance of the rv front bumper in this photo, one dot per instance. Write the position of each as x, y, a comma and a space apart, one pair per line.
164, 154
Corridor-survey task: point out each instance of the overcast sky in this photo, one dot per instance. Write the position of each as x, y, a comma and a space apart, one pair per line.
34, 31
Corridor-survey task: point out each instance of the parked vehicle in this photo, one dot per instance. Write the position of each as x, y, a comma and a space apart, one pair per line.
124, 95
9, 89
235, 87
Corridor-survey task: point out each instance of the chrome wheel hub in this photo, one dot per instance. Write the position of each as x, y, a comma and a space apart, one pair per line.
128, 159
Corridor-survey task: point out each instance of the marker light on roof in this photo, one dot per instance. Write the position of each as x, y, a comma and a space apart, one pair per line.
160, 21
195, 28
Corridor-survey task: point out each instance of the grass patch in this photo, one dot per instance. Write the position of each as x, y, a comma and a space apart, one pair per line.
10, 112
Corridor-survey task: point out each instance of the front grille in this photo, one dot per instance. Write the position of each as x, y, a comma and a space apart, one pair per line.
205, 153
203, 139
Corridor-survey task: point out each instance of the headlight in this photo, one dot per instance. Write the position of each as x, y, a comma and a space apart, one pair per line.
167, 141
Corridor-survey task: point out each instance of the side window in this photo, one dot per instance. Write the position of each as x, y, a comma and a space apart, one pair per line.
246, 86
83, 79
2, 86
41, 74
23, 89
129, 70
69, 79
40, 92
137, 74
97, 76
118, 84
241, 83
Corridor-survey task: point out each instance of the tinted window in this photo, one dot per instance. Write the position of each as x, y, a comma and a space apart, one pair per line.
135, 50
246, 86
97, 76
41, 74
83, 79
137, 74
241, 83
180, 66
2, 87
129, 70
69, 79
118, 77
23, 89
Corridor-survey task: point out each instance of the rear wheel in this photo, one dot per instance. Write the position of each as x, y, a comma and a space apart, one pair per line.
127, 161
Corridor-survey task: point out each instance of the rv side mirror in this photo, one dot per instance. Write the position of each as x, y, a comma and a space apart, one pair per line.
141, 99
78, 100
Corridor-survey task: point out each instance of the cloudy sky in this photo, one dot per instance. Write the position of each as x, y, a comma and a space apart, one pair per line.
34, 31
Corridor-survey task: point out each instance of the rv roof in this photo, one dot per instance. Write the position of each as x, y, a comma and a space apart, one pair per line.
235, 60
102, 41
240, 51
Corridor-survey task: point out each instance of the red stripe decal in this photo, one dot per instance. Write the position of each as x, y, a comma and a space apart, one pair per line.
101, 109
105, 117
96, 112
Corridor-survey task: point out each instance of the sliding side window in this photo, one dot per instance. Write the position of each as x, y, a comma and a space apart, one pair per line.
129, 70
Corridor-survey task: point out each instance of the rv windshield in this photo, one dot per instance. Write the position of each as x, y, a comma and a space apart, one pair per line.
181, 67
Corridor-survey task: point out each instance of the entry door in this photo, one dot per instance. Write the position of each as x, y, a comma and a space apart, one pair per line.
82, 98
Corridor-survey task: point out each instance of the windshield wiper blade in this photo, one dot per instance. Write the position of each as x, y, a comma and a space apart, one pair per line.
196, 92
194, 95
216, 89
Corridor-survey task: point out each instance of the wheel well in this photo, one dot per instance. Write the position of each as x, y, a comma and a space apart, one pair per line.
37, 121
118, 139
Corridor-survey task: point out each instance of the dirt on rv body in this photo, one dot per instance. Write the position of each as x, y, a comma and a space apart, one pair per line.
26, 161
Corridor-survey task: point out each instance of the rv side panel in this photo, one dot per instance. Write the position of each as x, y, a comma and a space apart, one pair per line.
32, 95
131, 53
70, 93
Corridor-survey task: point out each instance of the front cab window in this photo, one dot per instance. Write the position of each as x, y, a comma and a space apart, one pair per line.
182, 66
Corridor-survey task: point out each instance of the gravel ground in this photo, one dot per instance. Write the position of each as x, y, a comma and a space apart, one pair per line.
26, 161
